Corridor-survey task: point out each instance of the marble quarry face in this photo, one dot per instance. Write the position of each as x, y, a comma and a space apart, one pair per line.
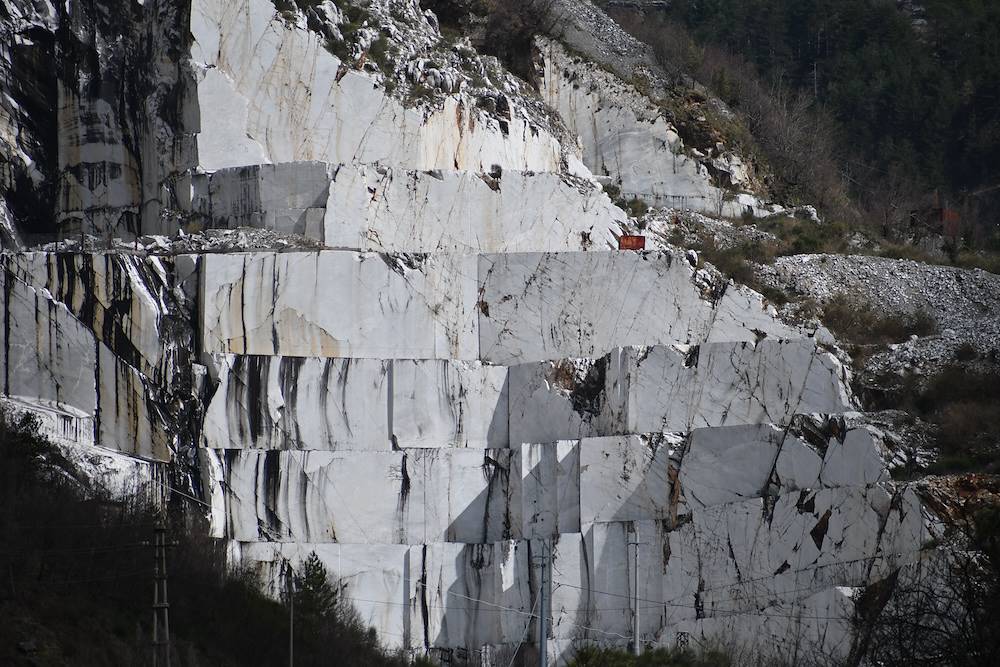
450, 374
629, 139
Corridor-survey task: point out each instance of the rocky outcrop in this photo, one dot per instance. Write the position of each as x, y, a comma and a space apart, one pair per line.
278, 95
631, 141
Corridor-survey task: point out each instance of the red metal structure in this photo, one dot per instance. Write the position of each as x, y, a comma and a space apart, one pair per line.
631, 242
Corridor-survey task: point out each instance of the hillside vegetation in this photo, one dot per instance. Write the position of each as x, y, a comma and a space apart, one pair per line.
905, 100
77, 582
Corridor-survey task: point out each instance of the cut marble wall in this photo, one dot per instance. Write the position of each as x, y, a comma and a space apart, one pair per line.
353, 404
547, 486
503, 309
727, 568
428, 495
391, 209
271, 92
339, 304
308, 403
626, 478
121, 298
446, 595
299, 403
289, 198
439, 403
386, 209
674, 389
717, 384
537, 306
52, 359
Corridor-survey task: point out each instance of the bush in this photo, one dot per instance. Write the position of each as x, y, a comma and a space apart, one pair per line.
636, 207
859, 323
590, 656
962, 404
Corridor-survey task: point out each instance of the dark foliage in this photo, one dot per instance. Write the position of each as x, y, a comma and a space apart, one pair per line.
961, 401
76, 585
511, 26
943, 611
915, 96
859, 323
604, 657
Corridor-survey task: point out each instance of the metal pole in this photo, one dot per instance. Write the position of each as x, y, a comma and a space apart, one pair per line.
291, 616
636, 644
161, 607
543, 614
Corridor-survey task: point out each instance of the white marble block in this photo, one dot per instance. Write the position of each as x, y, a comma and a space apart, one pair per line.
674, 389
536, 306
300, 403
441, 403
625, 478
427, 495
339, 304
548, 488
397, 210
289, 198
52, 359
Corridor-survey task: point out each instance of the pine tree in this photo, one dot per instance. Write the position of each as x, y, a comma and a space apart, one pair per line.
315, 596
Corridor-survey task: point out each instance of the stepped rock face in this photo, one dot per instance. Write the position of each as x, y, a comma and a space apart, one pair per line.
445, 374
83, 333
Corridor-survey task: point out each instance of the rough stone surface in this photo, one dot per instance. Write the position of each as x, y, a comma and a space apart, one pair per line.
627, 138
277, 95
369, 274
369, 207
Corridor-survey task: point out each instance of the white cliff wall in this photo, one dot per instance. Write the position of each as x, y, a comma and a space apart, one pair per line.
372, 207
756, 522
628, 138
74, 340
271, 92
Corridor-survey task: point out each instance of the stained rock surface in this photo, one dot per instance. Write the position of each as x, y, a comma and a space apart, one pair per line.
395, 330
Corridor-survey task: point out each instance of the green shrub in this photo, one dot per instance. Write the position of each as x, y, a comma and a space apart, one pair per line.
637, 207
859, 323
962, 404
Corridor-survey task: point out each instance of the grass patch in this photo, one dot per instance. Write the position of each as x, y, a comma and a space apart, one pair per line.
964, 406
797, 236
987, 261
418, 94
737, 263
858, 323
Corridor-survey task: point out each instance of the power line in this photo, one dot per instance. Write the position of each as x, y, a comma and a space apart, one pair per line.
524, 635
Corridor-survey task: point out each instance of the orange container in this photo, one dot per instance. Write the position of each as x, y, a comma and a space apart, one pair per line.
631, 242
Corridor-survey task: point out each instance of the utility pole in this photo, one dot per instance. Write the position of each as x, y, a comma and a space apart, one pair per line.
291, 614
161, 608
636, 644
543, 614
